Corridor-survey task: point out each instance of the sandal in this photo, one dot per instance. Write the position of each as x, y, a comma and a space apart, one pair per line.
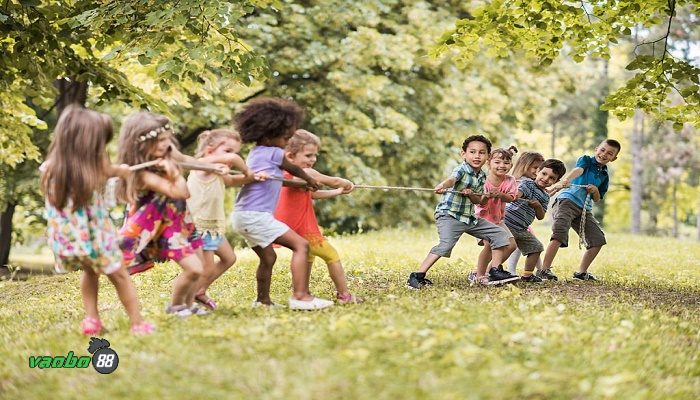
91, 326
143, 328
206, 301
348, 299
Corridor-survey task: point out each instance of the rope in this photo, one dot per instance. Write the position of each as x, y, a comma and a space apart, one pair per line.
582, 226
408, 188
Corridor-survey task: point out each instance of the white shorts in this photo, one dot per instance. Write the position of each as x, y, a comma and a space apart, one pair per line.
258, 228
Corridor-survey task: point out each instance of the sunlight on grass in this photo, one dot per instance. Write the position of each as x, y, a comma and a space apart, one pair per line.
633, 335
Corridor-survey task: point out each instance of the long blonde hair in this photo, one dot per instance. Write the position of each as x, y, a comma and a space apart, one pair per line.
214, 138
133, 150
301, 138
525, 161
77, 160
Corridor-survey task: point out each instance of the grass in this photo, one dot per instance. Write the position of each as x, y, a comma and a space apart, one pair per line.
634, 335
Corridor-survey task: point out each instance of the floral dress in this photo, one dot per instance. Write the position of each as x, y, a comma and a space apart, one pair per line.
157, 228
85, 237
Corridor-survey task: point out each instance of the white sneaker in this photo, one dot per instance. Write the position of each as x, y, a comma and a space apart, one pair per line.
181, 311
313, 304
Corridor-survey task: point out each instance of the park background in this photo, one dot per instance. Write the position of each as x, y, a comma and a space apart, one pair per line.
392, 88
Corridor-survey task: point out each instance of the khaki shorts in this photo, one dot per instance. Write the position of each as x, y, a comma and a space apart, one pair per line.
566, 214
527, 242
450, 230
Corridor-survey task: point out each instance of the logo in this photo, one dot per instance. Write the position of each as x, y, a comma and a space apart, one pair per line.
104, 359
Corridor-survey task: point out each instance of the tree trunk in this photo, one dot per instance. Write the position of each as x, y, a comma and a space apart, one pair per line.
674, 203
554, 138
6, 234
600, 131
697, 218
637, 183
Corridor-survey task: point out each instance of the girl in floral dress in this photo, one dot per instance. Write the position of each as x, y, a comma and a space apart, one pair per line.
79, 230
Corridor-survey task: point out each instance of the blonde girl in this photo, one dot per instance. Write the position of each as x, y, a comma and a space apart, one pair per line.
79, 230
206, 203
158, 226
295, 208
526, 167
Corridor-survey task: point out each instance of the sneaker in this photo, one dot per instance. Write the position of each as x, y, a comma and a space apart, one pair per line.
531, 279
313, 304
472, 277
197, 310
417, 280
547, 275
584, 276
498, 276
144, 328
180, 311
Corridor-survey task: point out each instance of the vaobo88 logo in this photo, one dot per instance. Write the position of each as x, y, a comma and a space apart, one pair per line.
104, 359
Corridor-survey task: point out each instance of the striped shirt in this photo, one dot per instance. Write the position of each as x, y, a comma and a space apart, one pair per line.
457, 205
520, 214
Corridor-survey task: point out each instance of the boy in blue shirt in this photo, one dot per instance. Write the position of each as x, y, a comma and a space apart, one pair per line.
591, 172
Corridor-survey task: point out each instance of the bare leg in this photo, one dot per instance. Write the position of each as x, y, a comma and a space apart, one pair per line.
588, 258
263, 275
89, 284
484, 258
127, 294
531, 261
185, 284
335, 270
299, 265
430, 259
213, 270
550, 253
499, 255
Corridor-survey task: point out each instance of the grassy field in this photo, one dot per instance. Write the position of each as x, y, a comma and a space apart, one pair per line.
634, 335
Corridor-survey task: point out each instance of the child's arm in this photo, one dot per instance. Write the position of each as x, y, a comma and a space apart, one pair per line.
332, 181
231, 159
444, 185
172, 185
595, 193
539, 210
120, 170
566, 181
295, 170
240, 179
326, 194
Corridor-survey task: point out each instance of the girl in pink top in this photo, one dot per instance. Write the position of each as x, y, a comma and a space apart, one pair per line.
499, 189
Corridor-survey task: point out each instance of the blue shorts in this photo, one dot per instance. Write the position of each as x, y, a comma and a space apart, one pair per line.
210, 242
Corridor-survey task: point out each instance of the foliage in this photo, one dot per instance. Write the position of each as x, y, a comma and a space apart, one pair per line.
558, 340
190, 43
542, 30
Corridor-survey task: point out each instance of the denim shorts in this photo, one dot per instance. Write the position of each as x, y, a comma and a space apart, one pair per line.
210, 242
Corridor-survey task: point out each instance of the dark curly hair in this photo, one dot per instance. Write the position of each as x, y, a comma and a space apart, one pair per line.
555, 165
268, 118
477, 138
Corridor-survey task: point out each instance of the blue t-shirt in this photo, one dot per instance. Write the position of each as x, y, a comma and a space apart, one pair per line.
520, 214
593, 174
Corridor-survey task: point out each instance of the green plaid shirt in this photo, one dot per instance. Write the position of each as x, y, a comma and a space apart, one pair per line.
458, 205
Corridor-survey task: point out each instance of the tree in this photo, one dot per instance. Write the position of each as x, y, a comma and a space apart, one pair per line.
542, 30
93, 44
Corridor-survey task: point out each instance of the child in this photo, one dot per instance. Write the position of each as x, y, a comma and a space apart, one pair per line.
454, 215
79, 229
526, 167
158, 225
206, 203
532, 202
499, 189
296, 209
591, 172
270, 123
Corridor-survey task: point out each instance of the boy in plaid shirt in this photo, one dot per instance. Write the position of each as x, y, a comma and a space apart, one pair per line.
454, 216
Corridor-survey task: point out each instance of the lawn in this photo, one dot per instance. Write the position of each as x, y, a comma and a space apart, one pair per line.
634, 335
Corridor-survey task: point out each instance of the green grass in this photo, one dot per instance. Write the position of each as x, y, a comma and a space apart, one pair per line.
635, 335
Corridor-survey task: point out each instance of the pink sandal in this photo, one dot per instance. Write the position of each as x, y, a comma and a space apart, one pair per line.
143, 328
348, 299
206, 301
91, 326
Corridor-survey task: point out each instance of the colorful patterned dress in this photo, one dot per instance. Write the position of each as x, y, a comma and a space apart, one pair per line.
157, 228
85, 237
